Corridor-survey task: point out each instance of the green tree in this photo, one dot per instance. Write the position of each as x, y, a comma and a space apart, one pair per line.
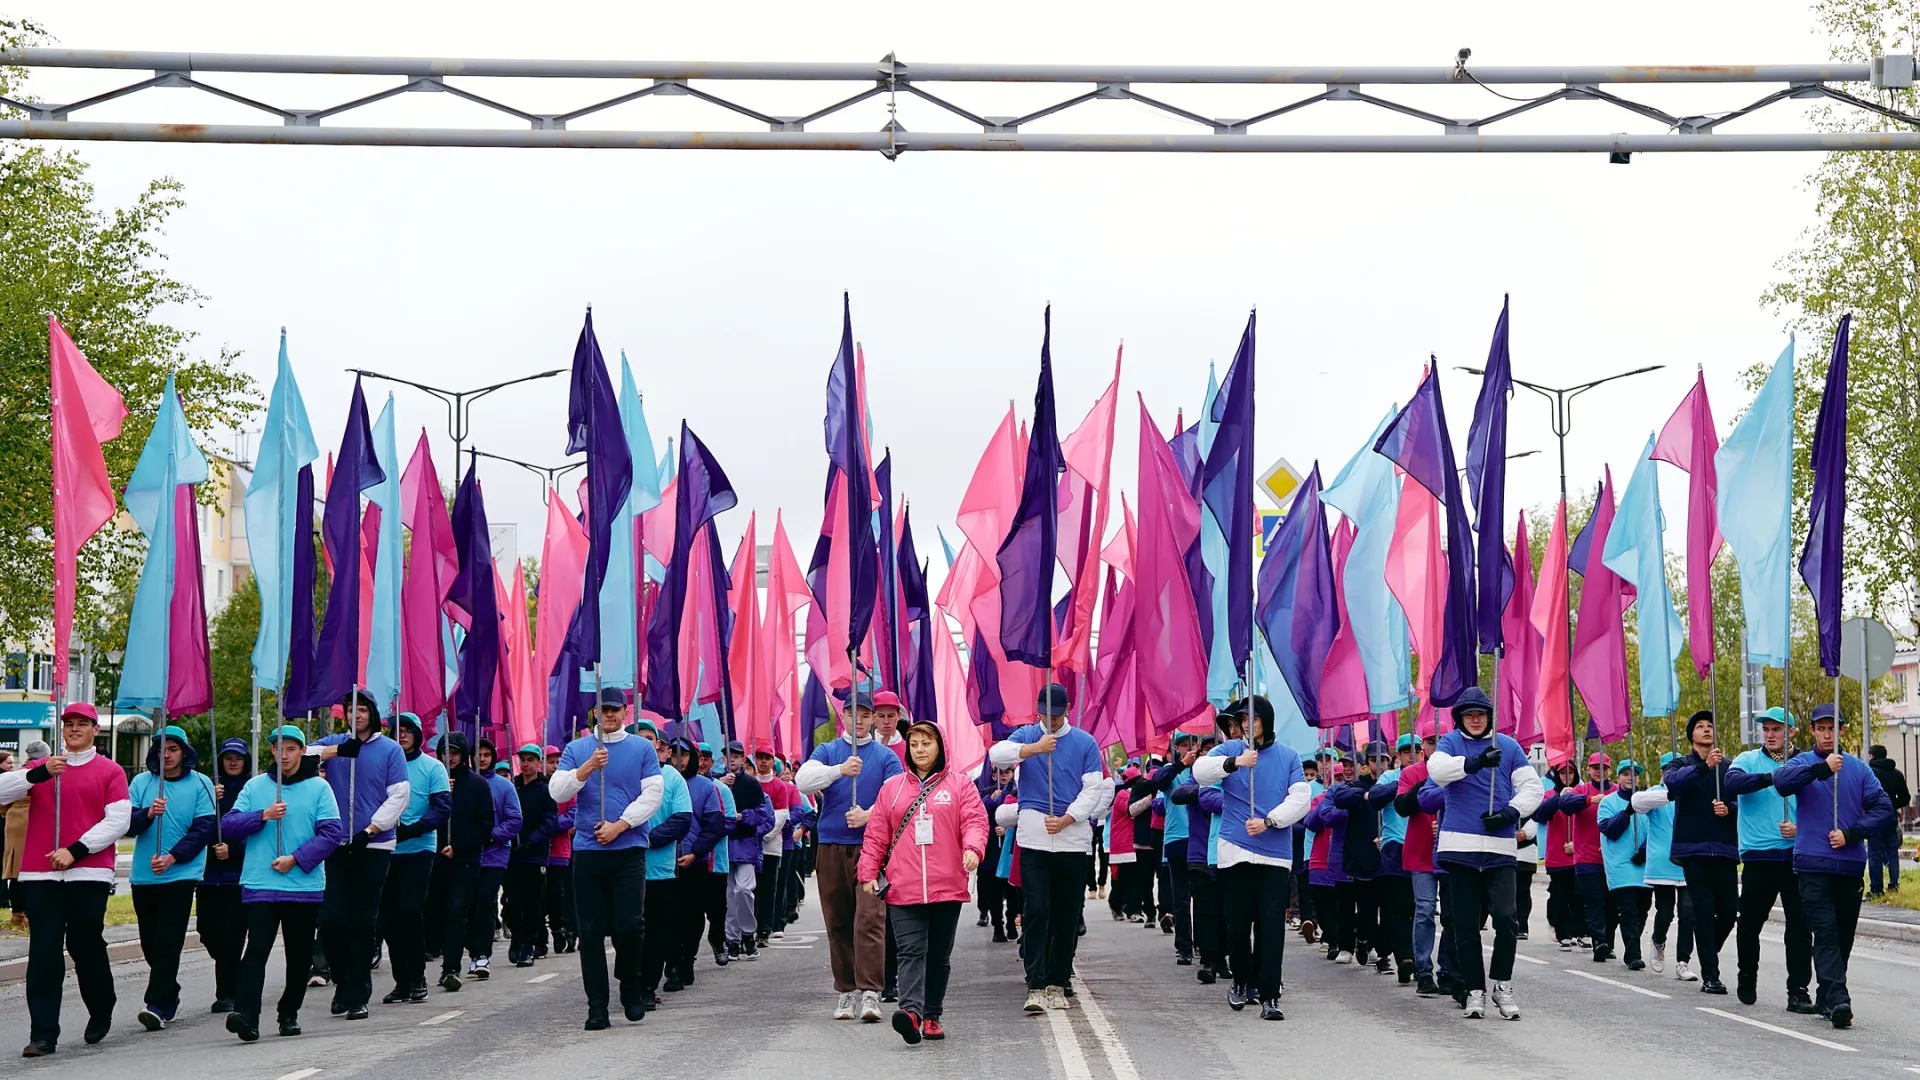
102, 271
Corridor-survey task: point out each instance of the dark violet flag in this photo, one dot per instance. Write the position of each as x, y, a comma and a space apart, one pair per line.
1185, 445
847, 448
336, 661
593, 427
983, 681
1418, 442
921, 621
473, 592
1227, 486
722, 580
704, 492
1820, 561
1027, 555
814, 714
300, 630
889, 654
1487, 480
1298, 611
1583, 543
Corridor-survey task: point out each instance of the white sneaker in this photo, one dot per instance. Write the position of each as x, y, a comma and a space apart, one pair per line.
1659, 958
1566, 945
1505, 1001
1036, 1001
1684, 973
1057, 998
777, 934
870, 1006
1476, 1004
1585, 943
1345, 957
843, 1006
478, 969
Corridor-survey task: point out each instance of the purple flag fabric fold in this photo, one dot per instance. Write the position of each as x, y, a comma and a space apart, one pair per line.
305, 570
1820, 561
983, 681
847, 447
1487, 480
593, 427
1298, 608
920, 623
1227, 488
888, 654
336, 662
704, 491
473, 591
1026, 557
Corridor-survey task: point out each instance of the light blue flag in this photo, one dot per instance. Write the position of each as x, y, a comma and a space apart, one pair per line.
1755, 504
669, 466
168, 460
1636, 550
286, 446
1368, 493
944, 546
1290, 727
1222, 678
383, 643
619, 634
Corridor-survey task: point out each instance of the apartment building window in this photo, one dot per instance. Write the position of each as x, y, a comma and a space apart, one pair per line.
220, 584
1900, 682
220, 526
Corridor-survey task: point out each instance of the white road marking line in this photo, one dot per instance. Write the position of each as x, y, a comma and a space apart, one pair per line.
1803, 1037
786, 946
301, 1074
1072, 1062
1618, 983
1858, 953
544, 978
1118, 1058
1913, 1069
1528, 959
442, 1018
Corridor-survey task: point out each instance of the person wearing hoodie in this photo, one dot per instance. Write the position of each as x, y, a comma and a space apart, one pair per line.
1838, 805
996, 907
713, 894
1883, 851
172, 822
746, 844
1490, 788
1123, 899
694, 863
1416, 858
767, 883
404, 899
291, 826
1175, 840
562, 925
1580, 806
1623, 848
469, 826
1706, 844
1564, 912
927, 832
493, 858
1367, 801
527, 862
1204, 805
218, 918
665, 829
846, 775
1393, 887
1665, 878
1767, 835
1326, 872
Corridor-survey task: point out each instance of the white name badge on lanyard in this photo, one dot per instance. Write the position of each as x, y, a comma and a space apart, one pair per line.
923, 830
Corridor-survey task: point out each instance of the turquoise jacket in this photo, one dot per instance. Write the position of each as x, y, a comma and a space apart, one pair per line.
187, 825
1623, 834
1762, 809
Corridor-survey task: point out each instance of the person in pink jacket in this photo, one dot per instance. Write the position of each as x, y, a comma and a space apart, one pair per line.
928, 832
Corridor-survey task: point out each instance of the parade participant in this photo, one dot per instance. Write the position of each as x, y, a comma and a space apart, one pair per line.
1706, 844
493, 858
1264, 794
1669, 884
1883, 851
767, 883
1303, 917
693, 864
1393, 886
665, 829
1063, 785
468, 829
1124, 896
562, 926
746, 849
1147, 829
1767, 837
1580, 806
370, 787
617, 779
1362, 798
796, 854
527, 861
292, 828
1326, 870
887, 717
996, 789
1203, 805
927, 832
218, 918
1476, 845
66, 875
404, 899
713, 889
846, 775
1564, 909
172, 822
1416, 858
1176, 838
1623, 848
1838, 805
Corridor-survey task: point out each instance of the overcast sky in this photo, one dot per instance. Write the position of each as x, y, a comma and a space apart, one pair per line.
719, 273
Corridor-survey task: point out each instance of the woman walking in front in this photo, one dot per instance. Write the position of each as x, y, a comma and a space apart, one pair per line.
927, 833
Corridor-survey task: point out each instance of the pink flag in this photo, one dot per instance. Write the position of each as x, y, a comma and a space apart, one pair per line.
1343, 682
746, 659
1599, 665
85, 412
431, 565
1083, 507
965, 745
656, 525
1690, 440
787, 595
1417, 577
503, 703
827, 622
189, 674
1111, 712
700, 642
1552, 703
529, 703
1519, 691
1119, 552
986, 512
1171, 658
563, 569
993, 495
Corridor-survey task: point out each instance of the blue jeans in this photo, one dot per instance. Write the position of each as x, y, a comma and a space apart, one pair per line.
1423, 924
1883, 857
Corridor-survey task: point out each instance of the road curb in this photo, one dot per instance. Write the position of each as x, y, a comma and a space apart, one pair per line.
14, 971
1883, 929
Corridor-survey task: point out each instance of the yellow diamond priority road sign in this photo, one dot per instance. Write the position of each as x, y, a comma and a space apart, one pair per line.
1279, 483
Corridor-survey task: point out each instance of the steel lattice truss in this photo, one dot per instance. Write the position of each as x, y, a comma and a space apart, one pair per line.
944, 85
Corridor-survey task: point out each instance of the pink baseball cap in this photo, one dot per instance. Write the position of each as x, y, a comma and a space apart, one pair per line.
886, 699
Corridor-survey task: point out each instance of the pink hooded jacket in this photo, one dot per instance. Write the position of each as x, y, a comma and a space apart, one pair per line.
925, 873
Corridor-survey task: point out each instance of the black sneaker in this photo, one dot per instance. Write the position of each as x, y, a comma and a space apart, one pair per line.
1426, 987
733, 950
416, 995
394, 996
1205, 975
290, 1025
749, 949
1747, 990
223, 1005
449, 981
673, 985
244, 1026
1842, 1016
37, 1048
1713, 986
720, 957
1382, 966
999, 936
357, 1012
1641, 965
1798, 1001
1406, 972
1270, 1010
890, 994
339, 1006
97, 1028
1184, 959
597, 1020
983, 920
1238, 997
636, 1012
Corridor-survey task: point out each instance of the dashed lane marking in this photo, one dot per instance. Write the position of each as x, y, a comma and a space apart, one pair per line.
442, 1018
1065, 1043
1118, 1058
544, 978
1789, 1033
300, 1074
1618, 983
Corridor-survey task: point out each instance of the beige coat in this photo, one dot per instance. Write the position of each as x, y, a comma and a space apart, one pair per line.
16, 840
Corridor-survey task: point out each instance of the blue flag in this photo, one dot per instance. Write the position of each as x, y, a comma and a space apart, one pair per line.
1210, 584
383, 650
286, 446
1636, 550
1368, 493
1755, 507
168, 460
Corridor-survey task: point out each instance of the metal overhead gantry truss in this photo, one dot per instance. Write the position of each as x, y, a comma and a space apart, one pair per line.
939, 85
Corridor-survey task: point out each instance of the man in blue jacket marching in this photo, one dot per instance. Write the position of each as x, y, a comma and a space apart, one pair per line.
1706, 844
1767, 835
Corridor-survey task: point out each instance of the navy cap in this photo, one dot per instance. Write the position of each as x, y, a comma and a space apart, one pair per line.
685, 744
613, 697
1378, 749
1054, 700
736, 747
1825, 711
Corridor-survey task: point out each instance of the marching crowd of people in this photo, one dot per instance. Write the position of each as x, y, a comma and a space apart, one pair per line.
379, 847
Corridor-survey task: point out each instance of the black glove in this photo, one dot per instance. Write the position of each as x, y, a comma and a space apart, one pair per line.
1407, 804
360, 841
348, 749
1640, 857
1495, 820
407, 830
1490, 757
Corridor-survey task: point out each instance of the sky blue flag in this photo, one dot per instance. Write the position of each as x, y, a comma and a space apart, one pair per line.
1290, 727
168, 460
383, 647
1755, 506
944, 546
1636, 550
1368, 493
1222, 676
285, 447
619, 620
669, 468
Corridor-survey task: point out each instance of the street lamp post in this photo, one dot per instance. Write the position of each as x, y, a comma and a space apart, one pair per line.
550, 474
458, 402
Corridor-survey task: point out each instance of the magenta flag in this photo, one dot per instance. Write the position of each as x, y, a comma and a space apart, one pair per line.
369, 555
1085, 502
1167, 622
431, 566
1417, 577
1516, 706
1599, 667
746, 661
85, 412
563, 568
1553, 704
189, 671
529, 712
966, 746
1690, 440
1343, 683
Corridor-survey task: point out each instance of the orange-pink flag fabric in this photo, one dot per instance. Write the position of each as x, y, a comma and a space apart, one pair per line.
529, 719
432, 564
1084, 504
787, 596
1417, 577
85, 412
1169, 656
563, 570
966, 747
746, 659
1343, 679
1517, 704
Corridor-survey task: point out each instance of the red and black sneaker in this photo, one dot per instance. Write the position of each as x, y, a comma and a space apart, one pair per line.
931, 1029
908, 1025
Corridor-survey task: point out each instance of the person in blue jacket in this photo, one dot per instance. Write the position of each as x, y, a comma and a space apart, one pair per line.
290, 824
697, 847
1664, 876
1394, 886
1623, 851
404, 899
172, 823
1767, 833
1839, 804
493, 858
720, 867
1174, 840
218, 917
665, 829
745, 850
526, 890
1202, 804
1367, 802
1490, 788
996, 790
1706, 844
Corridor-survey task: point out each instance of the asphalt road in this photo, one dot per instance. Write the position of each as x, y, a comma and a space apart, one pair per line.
1139, 1017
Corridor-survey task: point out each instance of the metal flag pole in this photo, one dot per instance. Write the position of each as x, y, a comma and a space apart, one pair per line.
213, 740
853, 708
599, 737
353, 763
159, 821
1493, 782
59, 711
254, 744
1049, 731
1837, 748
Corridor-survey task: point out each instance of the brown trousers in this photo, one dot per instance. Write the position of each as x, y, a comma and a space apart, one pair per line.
856, 920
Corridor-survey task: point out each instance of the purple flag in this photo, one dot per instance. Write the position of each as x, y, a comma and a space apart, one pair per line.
847, 447
1820, 561
1583, 543
722, 581
473, 592
1027, 555
300, 633
1487, 479
336, 662
593, 427
1297, 609
704, 491
1227, 483
983, 679
923, 622
892, 663
1417, 441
